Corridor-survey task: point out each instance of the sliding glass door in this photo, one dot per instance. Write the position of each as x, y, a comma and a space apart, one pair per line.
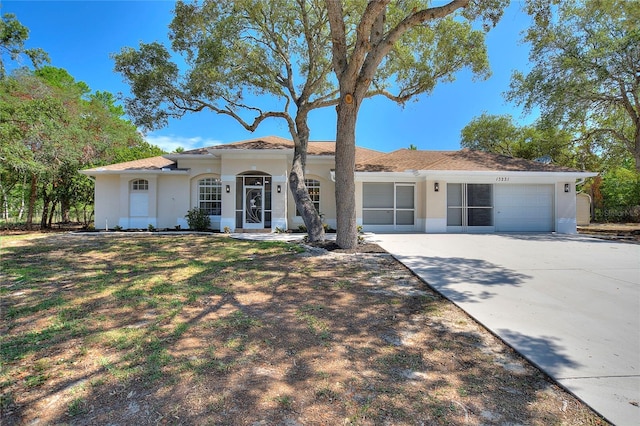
469, 207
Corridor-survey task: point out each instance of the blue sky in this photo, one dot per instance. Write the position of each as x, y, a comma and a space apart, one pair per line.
80, 36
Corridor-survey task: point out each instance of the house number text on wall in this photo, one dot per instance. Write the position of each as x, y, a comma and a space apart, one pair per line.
502, 179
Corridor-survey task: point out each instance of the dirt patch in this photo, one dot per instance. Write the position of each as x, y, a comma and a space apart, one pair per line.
332, 246
209, 330
629, 232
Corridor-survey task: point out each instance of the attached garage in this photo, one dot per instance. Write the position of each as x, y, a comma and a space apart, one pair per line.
524, 208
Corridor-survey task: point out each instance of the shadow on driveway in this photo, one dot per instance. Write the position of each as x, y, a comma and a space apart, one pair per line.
544, 351
445, 273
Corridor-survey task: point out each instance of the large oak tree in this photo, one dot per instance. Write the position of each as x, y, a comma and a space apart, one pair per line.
306, 54
398, 50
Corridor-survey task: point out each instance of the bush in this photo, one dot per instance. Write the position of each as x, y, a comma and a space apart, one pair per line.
197, 219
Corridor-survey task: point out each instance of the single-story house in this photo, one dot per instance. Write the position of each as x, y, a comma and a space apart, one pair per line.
243, 186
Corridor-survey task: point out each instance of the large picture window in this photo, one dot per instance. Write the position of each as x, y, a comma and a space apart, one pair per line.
210, 196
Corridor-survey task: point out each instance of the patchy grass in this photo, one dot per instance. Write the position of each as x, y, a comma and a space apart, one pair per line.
208, 330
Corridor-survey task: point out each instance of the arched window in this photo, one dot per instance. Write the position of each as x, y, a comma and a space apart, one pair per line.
140, 185
210, 196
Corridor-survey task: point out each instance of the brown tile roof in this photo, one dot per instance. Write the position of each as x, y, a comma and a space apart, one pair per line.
367, 160
276, 143
463, 160
152, 163
267, 142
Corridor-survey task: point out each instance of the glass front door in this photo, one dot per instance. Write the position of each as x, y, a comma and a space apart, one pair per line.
253, 207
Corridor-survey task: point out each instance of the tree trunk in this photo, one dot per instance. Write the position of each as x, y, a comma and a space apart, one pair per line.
33, 195
304, 204
347, 229
5, 203
51, 214
636, 152
46, 203
65, 210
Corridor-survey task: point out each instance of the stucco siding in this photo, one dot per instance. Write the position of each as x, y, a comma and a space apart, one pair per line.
436, 206
107, 201
173, 201
566, 208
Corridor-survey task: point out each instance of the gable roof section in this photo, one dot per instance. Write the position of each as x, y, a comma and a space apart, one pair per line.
319, 148
463, 160
147, 164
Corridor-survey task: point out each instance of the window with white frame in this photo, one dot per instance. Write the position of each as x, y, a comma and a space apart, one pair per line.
469, 204
313, 186
388, 203
210, 196
140, 185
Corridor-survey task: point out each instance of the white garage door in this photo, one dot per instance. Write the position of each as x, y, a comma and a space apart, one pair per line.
524, 208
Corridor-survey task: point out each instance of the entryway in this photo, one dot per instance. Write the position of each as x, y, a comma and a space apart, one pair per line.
253, 201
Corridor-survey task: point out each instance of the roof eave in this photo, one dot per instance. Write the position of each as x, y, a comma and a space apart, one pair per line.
521, 173
95, 172
176, 157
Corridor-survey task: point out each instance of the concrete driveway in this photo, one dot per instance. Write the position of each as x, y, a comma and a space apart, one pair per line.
569, 304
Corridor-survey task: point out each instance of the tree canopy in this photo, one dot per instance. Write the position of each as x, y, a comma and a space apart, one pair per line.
501, 135
51, 126
398, 50
13, 36
306, 55
586, 74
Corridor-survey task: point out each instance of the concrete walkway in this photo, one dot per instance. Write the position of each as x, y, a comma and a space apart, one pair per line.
569, 304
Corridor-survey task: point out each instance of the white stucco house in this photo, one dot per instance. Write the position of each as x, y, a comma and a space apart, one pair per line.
244, 187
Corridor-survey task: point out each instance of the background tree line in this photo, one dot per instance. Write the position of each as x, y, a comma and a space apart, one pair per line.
51, 126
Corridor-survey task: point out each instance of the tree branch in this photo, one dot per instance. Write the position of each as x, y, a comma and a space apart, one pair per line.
384, 46
338, 36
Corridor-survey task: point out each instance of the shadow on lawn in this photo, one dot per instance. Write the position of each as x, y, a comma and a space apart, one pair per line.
261, 338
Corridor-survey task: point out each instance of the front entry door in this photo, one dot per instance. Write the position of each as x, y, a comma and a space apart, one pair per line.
253, 207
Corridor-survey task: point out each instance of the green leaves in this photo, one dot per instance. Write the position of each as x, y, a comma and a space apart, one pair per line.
12, 37
433, 53
49, 131
585, 74
225, 55
500, 135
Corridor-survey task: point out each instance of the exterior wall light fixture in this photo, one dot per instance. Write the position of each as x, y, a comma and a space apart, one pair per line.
228, 189
567, 188
436, 186
279, 189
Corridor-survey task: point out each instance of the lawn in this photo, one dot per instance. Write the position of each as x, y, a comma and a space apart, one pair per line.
182, 329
